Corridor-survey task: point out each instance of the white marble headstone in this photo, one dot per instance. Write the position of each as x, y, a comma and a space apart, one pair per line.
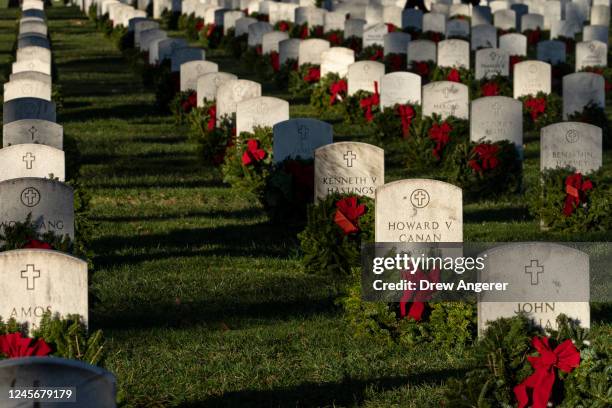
454, 53
348, 167
571, 144
531, 77
580, 89
337, 60
419, 210
497, 118
50, 203
491, 62
33, 131
192, 70
32, 160
261, 111
310, 51
230, 93
363, 75
539, 272
591, 54
400, 88
446, 99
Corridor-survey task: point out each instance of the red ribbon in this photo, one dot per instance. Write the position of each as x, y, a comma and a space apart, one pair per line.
304, 33
212, 118
348, 213
487, 156
417, 298
565, 358
535, 107
421, 68
337, 90
368, 103
275, 61
36, 244
575, 188
14, 345
313, 75
378, 55
334, 39
406, 114
253, 153
490, 89
441, 135
453, 76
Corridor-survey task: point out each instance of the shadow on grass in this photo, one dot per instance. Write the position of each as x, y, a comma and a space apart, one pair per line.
216, 315
350, 392
507, 214
238, 214
255, 240
127, 111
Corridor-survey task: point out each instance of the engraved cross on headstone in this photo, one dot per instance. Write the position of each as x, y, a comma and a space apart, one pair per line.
349, 157
420, 198
30, 274
32, 131
534, 269
29, 159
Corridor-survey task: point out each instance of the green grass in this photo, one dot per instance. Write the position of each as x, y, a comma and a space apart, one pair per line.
202, 300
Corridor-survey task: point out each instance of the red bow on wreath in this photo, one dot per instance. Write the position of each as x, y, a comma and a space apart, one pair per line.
253, 153
575, 187
396, 61
378, 55
36, 244
486, 154
334, 39
406, 114
441, 135
565, 357
421, 68
535, 107
453, 76
190, 102
490, 89
348, 214
275, 61
417, 298
212, 118
283, 26
304, 33
313, 75
337, 90
13, 346
368, 103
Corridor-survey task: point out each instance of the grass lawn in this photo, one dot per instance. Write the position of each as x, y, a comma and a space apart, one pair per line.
202, 300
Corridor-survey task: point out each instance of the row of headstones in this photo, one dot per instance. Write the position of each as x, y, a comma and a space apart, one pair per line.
431, 211
353, 167
451, 52
562, 19
546, 14
32, 175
